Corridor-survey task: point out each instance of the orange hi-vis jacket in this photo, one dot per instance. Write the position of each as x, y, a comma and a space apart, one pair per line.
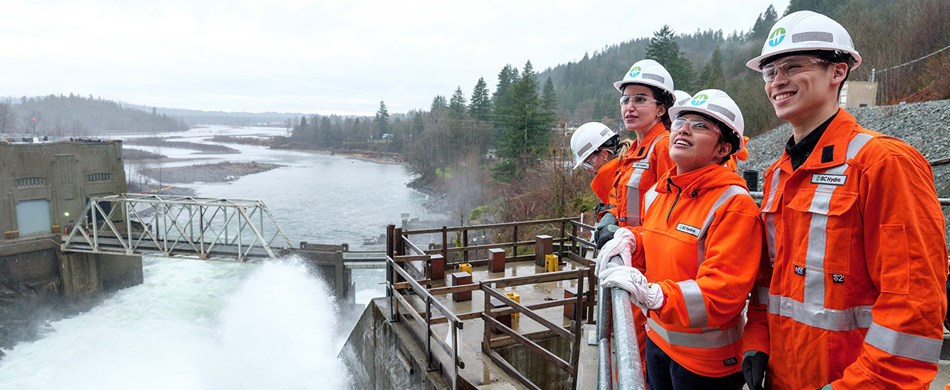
603, 185
702, 240
646, 160
854, 297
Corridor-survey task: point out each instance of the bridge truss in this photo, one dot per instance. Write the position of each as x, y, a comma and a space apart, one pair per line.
186, 226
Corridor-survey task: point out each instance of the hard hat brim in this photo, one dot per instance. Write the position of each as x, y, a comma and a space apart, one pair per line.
756, 63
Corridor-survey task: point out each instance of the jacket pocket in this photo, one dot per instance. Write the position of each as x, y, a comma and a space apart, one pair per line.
827, 220
895, 260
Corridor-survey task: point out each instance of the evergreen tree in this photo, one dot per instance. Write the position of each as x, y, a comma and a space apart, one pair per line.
526, 128
765, 21
500, 99
664, 49
381, 121
481, 103
457, 106
549, 97
712, 76
438, 104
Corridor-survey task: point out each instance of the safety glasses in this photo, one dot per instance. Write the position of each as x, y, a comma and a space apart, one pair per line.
790, 66
638, 101
695, 125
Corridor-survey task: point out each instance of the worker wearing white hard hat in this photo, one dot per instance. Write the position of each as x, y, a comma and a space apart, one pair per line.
693, 261
596, 147
646, 95
852, 295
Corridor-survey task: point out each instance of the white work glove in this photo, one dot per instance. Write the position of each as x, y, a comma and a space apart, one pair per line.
643, 294
623, 244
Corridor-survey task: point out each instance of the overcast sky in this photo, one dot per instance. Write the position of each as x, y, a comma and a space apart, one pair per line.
316, 57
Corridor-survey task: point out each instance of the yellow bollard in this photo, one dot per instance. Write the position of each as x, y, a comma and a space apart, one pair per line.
517, 298
551, 263
465, 267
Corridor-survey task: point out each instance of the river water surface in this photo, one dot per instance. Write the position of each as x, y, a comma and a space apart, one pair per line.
219, 325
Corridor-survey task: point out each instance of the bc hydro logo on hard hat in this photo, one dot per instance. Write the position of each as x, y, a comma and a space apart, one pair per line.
777, 37
634, 71
699, 99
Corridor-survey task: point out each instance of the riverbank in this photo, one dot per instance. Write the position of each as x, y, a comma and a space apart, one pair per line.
287, 144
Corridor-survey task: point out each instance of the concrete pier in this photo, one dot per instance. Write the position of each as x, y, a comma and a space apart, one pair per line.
40, 282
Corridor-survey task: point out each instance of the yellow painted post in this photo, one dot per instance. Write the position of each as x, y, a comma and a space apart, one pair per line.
551, 263
514, 297
465, 267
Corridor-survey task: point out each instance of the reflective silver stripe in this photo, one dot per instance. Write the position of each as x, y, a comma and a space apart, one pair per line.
770, 217
709, 339
761, 295
585, 149
770, 235
648, 198
820, 317
906, 345
776, 177
814, 288
633, 188
695, 304
726, 195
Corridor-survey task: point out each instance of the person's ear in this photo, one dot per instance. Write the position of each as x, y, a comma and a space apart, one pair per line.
840, 72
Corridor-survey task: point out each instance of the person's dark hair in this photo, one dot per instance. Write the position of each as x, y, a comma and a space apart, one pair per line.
664, 98
832, 56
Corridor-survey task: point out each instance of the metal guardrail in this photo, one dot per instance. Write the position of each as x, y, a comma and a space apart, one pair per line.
398, 244
455, 324
615, 323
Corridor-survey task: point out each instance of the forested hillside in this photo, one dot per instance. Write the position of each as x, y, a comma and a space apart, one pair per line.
79, 116
886, 33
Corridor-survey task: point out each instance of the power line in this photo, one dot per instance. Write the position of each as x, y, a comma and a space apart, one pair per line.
906, 63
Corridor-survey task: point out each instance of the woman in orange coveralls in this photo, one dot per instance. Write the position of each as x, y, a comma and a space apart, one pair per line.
700, 244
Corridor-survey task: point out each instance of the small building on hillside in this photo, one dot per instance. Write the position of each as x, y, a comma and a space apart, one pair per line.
858, 94
45, 186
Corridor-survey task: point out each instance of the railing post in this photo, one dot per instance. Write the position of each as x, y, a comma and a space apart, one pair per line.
514, 239
429, 332
574, 243
399, 247
560, 246
465, 245
576, 326
445, 245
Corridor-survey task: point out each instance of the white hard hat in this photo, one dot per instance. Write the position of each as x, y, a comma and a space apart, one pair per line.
587, 139
716, 104
681, 97
806, 31
647, 72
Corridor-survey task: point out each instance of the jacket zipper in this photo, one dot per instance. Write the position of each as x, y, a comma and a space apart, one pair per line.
668, 184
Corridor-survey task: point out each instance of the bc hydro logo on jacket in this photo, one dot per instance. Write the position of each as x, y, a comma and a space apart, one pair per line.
699, 99
634, 71
777, 36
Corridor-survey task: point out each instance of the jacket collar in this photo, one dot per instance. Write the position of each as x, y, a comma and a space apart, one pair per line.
831, 149
694, 183
642, 147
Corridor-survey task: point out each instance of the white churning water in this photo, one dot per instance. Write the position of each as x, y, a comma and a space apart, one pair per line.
220, 325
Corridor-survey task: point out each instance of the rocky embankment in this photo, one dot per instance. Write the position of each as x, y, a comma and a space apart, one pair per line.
207, 173
922, 125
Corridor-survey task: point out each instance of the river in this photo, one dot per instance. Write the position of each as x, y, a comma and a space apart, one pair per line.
219, 325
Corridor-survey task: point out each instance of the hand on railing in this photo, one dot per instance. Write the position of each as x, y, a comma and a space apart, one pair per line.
642, 293
623, 244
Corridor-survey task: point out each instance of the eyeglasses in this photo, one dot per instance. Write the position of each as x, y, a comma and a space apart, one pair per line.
588, 163
638, 100
790, 66
695, 125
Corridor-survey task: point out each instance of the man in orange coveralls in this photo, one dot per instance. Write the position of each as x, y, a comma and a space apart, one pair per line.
853, 295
